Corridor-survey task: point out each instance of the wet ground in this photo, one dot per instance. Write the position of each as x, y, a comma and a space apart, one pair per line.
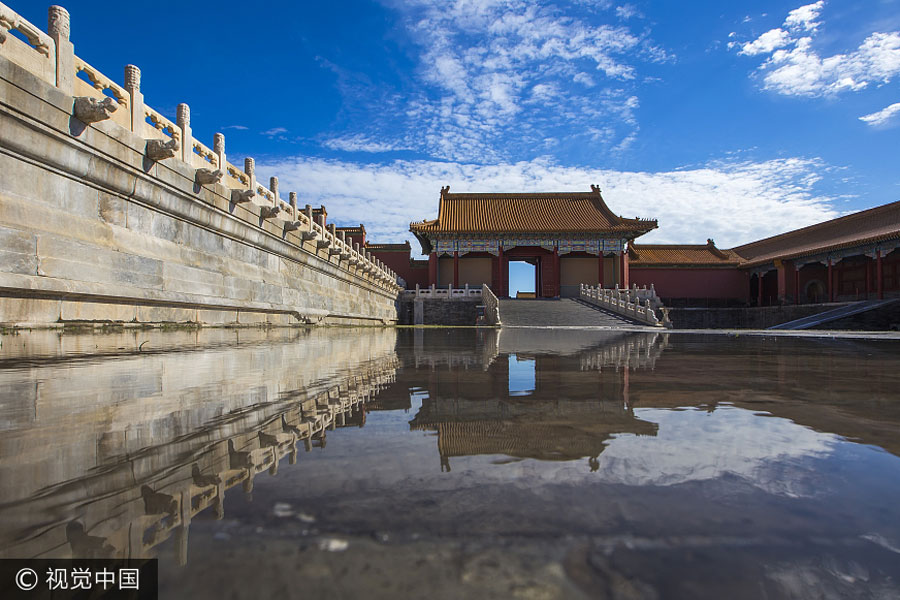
520, 463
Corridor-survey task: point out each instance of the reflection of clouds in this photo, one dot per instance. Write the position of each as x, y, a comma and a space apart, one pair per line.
769, 453
694, 445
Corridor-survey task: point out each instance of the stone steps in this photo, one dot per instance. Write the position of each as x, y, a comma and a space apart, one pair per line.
556, 312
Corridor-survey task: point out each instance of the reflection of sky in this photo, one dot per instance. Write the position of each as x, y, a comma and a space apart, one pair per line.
521, 376
773, 454
695, 445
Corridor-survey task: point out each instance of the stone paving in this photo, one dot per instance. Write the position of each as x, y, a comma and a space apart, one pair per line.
564, 312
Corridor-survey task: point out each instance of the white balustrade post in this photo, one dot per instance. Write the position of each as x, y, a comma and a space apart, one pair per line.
136, 99
273, 187
250, 170
219, 151
58, 28
183, 121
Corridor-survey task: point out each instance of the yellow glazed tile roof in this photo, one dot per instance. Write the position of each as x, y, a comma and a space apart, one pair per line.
864, 227
549, 212
682, 254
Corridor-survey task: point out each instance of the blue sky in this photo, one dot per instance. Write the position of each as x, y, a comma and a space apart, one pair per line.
728, 120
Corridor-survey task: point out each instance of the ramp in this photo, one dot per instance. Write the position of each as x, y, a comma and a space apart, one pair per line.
833, 314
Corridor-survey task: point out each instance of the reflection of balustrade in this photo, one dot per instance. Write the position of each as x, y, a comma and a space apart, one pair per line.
634, 352
52, 59
636, 303
130, 522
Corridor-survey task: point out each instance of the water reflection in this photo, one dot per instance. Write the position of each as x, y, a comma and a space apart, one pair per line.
521, 375
109, 458
558, 397
653, 458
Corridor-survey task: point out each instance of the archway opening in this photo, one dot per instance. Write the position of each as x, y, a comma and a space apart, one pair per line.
522, 278
815, 292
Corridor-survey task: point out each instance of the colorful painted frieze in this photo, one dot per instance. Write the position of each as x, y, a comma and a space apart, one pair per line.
492, 246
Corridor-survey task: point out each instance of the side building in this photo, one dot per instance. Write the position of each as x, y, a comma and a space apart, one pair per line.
854, 257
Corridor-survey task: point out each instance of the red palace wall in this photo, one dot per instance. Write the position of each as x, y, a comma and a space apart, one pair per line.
693, 283
412, 272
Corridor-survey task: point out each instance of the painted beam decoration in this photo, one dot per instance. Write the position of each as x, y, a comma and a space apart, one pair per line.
493, 246
444, 246
597, 247
542, 242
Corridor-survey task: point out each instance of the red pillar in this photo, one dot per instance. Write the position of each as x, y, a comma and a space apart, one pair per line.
558, 271
759, 289
879, 275
796, 284
600, 270
496, 274
830, 281
623, 261
782, 280
455, 268
868, 277
501, 293
432, 268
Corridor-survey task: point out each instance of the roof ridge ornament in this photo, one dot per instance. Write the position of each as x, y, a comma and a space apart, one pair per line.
595, 189
445, 190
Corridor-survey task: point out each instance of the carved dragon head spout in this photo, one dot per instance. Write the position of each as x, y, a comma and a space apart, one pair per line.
241, 196
208, 176
158, 150
91, 110
269, 212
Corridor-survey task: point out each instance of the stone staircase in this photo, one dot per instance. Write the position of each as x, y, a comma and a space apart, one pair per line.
564, 312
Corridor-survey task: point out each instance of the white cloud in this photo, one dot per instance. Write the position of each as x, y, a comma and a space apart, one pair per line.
732, 202
795, 67
238, 127
805, 17
584, 79
274, 132
360, 143
883, 116
626, 11
766, 43
486, 70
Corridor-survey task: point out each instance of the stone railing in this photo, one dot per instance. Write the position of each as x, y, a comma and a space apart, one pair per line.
51, 57
491, 306
636, 303
444, 293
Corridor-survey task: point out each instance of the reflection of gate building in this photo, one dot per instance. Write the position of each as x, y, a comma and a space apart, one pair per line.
570, 237
578, 400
